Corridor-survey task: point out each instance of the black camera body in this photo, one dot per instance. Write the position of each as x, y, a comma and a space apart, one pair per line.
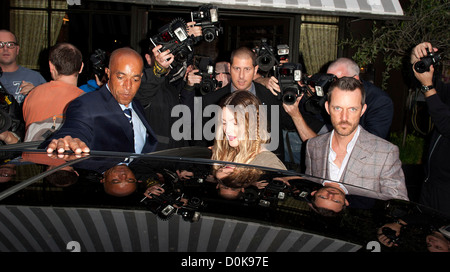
321, 83
207, 17
423, 65
207, 71
10, 111
267, 58
288, 75
209, 82
174, 37
391, 234
165, 205
274, 191
174, 200
98, 59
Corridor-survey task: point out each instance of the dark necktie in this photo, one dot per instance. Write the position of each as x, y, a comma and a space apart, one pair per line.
127, 113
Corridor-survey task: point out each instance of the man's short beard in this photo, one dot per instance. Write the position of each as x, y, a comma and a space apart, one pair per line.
350, 131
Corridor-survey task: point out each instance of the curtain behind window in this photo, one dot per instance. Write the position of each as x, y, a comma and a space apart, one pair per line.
31, 28
318, 41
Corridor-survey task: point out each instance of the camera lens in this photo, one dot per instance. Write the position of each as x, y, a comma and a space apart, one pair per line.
266, 62
289, 97
422, 66
206, 87
208, 35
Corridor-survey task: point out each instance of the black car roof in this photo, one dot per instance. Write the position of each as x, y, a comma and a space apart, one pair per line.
37, 216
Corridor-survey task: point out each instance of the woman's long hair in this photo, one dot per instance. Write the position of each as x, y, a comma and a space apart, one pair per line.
252, 134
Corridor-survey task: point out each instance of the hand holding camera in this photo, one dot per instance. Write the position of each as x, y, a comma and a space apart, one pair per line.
165, 58
422, 50
207, 17
423, 58
193, 78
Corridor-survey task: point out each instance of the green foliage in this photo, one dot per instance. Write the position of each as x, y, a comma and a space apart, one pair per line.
425, 20
411, 150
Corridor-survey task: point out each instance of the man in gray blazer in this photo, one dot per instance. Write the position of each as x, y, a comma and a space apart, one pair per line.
351, 155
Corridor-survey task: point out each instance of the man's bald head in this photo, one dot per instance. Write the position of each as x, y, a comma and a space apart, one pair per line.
124, 52
124, 72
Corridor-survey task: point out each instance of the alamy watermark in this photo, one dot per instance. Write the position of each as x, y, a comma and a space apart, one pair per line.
253, 123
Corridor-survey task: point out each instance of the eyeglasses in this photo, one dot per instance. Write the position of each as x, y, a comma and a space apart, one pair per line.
9, 45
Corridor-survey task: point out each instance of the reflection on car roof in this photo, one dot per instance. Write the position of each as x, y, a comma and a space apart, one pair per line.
64, 197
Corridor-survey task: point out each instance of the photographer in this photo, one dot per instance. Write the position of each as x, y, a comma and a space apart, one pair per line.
221, 74
243, 69
159, 93
167, 64
99, 62
436, 187
306, 120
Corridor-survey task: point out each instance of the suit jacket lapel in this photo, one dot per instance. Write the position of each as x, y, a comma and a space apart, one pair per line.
361, 152
325, 150
113, 107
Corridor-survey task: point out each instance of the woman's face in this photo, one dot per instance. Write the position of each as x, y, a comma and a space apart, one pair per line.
230, 128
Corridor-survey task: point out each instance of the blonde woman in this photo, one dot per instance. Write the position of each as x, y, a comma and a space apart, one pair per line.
241, 137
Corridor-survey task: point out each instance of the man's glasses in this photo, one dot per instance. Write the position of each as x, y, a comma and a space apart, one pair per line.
10, 45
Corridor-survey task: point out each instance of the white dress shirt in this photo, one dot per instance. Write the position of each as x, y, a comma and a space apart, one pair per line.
335, 172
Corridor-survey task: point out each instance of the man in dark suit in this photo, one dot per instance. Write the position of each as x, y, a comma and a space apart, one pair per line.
96, 120
243, 69
351, 155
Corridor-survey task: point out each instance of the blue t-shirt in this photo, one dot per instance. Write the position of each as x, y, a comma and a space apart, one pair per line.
90, 86
12, 81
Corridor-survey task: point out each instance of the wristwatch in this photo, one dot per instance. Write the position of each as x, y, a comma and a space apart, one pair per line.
425, 89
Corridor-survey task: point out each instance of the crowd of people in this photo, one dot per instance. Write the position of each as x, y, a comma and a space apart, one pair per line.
132, 112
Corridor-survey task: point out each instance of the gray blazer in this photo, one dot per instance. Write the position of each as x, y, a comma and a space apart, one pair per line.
374, 164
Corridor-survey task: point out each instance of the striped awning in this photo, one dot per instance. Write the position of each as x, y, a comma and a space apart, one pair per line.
53, 229
358, 8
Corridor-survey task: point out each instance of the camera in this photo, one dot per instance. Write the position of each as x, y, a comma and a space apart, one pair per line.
209, 82
423, 65
321, 83
174, 37
288, 75
391, 234
207, 17
9, 109
267, 58
274, 191
98, 59
207, 71
173, 200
